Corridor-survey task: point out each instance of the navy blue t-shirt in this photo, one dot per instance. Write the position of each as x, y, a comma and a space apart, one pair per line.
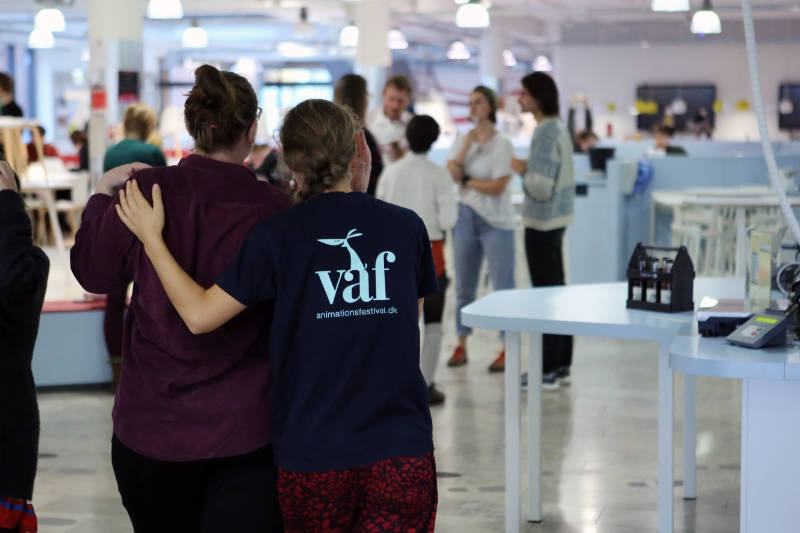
346, 272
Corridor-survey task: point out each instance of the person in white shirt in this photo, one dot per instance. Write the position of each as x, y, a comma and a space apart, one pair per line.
416, 183
388, 123
480, 162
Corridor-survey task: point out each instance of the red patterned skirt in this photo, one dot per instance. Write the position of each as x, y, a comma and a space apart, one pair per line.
397, 494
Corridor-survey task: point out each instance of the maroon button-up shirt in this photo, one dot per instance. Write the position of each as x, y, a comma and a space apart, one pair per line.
185, 397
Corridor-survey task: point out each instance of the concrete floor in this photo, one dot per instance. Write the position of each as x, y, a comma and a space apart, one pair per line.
599, 450
598, 459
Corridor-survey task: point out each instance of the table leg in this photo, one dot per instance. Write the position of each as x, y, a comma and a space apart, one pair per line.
666, 430
49, 200
741, 242
513, 444
744, 465
652, 220
535, 429
689, 437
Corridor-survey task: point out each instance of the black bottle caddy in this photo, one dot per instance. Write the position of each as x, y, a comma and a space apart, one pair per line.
660, 278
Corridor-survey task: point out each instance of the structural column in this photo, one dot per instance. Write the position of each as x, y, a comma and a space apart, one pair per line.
373, 57
492, 66
115, 64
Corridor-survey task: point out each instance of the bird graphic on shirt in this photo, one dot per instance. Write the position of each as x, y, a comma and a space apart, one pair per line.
355, 260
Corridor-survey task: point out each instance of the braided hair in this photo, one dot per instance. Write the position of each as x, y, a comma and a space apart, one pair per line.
318, 140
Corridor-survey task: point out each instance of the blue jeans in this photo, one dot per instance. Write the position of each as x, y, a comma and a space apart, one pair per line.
473, 238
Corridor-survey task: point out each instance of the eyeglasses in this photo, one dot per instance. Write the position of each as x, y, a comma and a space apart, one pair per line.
259, 111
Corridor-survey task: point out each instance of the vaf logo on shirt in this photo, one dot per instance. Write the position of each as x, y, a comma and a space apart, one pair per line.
360, 290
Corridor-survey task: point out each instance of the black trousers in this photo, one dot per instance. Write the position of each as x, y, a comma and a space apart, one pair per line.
237, 494
433, 305
544, 250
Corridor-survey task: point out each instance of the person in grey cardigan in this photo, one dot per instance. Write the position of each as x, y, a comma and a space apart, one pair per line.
549, 185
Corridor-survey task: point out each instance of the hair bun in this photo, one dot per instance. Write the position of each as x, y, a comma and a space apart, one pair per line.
213, 89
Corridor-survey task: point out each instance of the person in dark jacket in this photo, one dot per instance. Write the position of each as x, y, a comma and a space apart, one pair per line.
351, 92
23, 280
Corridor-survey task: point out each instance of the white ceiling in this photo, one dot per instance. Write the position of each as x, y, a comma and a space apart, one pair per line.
531, 26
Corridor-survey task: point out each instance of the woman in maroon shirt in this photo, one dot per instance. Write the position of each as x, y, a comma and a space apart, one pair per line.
192, 435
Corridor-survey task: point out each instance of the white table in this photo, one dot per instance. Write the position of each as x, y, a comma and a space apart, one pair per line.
770, 471
596, 310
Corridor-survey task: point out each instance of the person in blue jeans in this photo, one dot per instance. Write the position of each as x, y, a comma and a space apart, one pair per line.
480, 162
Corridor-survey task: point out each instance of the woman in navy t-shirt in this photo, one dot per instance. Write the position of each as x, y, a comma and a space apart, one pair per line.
347, 274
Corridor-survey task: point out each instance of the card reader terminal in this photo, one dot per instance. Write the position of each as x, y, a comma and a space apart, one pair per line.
762, 330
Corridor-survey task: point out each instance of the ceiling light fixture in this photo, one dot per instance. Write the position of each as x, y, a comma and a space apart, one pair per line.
670, 6
679, 106
303, 28
542, 64
508, 58
245, 67
51, 19
458, 51
349, 36
195, 36
289, 49
706, 20
472, 15
164, 9
397, 41
41, 38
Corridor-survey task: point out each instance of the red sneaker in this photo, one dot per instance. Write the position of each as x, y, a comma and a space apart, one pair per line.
459, 357
499, 364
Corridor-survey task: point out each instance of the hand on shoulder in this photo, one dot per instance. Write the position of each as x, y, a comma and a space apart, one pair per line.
8, 178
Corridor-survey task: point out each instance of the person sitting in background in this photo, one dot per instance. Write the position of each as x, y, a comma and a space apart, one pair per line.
23, 280
8, 107
49, 149
416, 183
351, 92
139, 125
81, 144
662, 134
584, 139
388, 123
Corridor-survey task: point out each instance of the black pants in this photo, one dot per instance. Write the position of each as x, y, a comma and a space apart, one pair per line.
433, 305
544, 250
237, 494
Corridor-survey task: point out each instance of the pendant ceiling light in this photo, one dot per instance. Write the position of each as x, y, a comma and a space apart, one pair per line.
472, 15
349, 36
41, 38
458, 51
195, 36
51, 19
397, 41
542, 64
670, 6
706, 20
679, 106
508, 58
164, 9
303, 28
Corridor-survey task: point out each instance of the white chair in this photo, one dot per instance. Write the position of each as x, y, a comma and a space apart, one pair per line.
74, 206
